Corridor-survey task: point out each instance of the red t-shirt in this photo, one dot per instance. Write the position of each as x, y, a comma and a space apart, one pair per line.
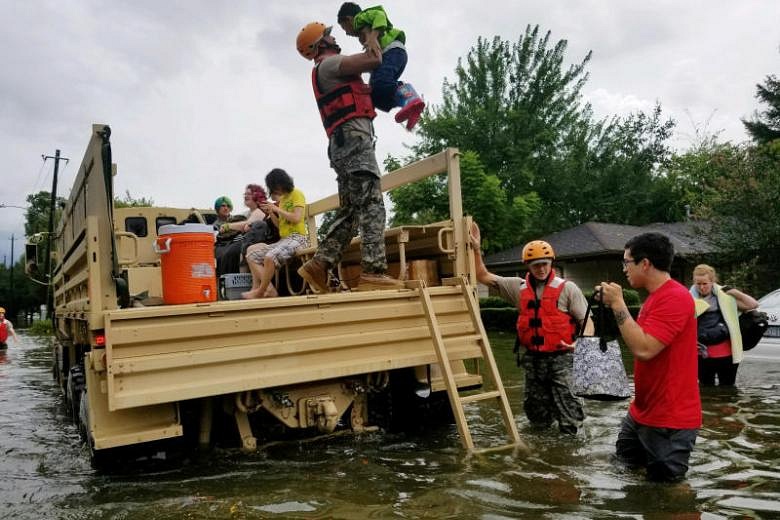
667, 387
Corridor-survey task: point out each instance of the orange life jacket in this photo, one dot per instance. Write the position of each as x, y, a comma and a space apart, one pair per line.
344, 102
541, 325
3, 331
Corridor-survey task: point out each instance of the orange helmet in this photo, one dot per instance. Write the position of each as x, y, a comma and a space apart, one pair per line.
310, 37
2, 310
537, 250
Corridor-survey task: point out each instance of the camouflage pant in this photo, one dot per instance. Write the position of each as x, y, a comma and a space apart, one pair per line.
548, 396
361, 205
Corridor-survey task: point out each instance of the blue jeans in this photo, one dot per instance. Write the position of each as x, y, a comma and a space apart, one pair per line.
384, 79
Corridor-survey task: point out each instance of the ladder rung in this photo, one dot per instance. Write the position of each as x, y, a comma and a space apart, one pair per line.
503, 447
480, 397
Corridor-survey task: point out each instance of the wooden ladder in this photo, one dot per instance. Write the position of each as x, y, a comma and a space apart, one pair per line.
456, 400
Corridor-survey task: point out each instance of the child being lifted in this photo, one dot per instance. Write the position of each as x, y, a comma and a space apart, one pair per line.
379, 37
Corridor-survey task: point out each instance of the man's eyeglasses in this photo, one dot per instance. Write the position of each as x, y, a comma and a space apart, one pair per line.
627, 261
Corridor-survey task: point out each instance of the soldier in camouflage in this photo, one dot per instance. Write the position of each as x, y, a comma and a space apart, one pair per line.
350, 131
551, 312
361, 206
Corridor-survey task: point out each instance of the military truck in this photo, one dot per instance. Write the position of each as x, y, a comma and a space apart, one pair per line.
135, 372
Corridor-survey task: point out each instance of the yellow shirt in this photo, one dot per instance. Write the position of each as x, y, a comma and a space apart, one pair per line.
289, 202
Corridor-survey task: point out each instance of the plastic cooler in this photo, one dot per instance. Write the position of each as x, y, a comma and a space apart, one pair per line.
232, 285
187, 263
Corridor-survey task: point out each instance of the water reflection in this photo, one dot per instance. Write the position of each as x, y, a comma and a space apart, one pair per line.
733, 472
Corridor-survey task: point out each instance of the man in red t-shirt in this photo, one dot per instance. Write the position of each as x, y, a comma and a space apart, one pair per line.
660, 428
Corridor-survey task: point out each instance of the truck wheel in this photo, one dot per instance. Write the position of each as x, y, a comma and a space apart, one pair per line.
73, 391
98, 459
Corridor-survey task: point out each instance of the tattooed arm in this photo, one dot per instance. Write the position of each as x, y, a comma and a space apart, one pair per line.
642, 345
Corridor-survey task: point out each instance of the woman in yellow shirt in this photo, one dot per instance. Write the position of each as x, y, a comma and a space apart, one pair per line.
288, 214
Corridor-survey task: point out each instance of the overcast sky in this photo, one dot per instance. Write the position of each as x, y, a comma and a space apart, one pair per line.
204, 97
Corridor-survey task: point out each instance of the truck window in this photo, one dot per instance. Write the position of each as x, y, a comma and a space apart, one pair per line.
136, 225
164, 221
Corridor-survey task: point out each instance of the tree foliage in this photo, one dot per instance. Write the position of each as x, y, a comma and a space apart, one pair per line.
37, 214
512, 103
21, 295
502, 216
517, 107
745, 210
609, 172
765, 126
128, 201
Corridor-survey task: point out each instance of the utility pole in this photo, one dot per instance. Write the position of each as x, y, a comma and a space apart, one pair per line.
52, 209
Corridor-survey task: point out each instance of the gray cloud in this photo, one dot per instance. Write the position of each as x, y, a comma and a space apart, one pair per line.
206, 96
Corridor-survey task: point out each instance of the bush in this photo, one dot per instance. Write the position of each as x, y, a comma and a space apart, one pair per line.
41, 328
494, 302
499, 319
630, 296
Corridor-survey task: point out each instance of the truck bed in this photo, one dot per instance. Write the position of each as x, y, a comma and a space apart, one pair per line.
176, 352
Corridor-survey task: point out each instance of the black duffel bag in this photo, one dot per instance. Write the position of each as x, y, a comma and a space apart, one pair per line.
752, 325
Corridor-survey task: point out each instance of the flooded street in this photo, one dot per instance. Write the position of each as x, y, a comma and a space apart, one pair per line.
734, 467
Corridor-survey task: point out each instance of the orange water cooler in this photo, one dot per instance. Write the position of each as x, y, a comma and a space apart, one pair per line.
187, 263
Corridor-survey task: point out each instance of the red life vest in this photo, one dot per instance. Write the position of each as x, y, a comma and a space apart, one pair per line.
3, 331
344, 102
541, 325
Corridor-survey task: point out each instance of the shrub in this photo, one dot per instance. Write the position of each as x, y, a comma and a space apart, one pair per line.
630, 296
499, 319
41, 328
494, 302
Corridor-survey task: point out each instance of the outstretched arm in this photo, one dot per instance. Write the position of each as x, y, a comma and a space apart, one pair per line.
483, 275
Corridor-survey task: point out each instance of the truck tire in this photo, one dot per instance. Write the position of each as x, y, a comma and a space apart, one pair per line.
98, 459
73, 391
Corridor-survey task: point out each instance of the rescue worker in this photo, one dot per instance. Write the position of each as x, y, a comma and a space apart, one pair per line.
550, 313
6, 329
347, 113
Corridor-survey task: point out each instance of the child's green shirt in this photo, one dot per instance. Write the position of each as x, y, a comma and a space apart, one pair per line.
376, 19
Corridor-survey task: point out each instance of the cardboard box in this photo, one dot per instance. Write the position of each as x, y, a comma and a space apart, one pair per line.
425, 270
232, 285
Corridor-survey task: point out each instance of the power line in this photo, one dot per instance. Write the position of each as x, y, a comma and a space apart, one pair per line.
38, 179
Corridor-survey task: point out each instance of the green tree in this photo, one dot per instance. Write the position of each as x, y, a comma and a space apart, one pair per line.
745, 212
518, 107
23, 296
128, 201
512, 103
765, 126
502, 216
690, 177
37, 214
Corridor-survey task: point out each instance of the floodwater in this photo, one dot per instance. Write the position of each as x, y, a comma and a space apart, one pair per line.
45, 472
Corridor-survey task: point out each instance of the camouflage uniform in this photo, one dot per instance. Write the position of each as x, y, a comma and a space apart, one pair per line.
548, 396
351, 152
362, 207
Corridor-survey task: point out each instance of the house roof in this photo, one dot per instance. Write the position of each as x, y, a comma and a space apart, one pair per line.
598, 239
